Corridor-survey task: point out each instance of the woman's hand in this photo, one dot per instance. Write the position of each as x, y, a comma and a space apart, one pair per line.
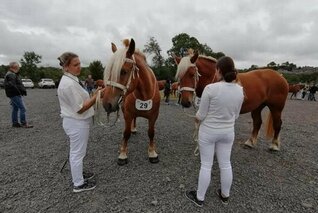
197, 121
101, 91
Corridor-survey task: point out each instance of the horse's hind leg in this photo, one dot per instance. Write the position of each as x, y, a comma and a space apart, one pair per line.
123, 158
277, 123
152, 154
257, 122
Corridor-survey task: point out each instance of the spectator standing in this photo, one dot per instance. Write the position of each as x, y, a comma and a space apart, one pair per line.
312, 92
89, 84
167, 91
15, 90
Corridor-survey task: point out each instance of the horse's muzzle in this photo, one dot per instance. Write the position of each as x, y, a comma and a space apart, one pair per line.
186, 104
111, 108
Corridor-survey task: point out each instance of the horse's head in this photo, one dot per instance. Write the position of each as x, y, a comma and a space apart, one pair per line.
119, 76
100, 83
188, 76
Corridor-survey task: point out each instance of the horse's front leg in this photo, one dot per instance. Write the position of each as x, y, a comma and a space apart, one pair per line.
134, 126
152, 154
123, 151
257, 122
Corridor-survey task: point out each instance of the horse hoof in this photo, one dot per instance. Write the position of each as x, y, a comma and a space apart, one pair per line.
154, 160
274, 149
247, 146
122, 162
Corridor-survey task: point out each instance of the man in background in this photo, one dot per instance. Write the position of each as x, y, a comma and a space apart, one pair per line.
15, 90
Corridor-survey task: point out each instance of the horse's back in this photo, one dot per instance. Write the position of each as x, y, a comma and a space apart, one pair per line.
264, 79
264, 86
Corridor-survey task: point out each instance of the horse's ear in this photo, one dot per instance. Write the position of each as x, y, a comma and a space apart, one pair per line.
114, 48
131, 49
176, 58
194, 57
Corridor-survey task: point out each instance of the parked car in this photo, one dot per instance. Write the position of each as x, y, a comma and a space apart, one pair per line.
27, 83
1, 82
46, 83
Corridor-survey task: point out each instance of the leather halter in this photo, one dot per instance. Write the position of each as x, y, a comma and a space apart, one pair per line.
122, 87
196, 79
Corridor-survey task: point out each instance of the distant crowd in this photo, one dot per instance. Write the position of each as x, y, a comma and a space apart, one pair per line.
306, 93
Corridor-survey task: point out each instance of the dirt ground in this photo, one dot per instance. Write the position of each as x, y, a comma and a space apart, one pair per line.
31, 159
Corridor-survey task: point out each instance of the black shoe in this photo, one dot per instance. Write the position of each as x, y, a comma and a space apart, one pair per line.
26, 125
88, 175
192, 196
225, 200
86, 186
17, 125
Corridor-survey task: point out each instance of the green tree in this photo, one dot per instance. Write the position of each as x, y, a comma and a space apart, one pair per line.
3, 70
29, 65
183, 41
152, 47
96, 69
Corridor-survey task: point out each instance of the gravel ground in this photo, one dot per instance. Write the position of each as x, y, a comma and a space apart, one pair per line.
286, 181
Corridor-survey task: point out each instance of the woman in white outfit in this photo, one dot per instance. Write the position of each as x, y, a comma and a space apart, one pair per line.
77, 112
219, 108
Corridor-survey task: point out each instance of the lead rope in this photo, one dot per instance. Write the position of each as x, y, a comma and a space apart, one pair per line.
97, 119
98, 106
195, 133
195, 137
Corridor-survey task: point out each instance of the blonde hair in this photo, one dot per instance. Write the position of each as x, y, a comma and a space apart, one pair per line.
183, 66
112, 70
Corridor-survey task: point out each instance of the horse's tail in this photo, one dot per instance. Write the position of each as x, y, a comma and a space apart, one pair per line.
269, 130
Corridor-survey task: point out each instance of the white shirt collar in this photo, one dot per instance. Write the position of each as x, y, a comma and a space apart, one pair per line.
75, 78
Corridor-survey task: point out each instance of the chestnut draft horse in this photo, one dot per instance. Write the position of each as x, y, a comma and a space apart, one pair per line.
131, 81
264, 87
294, 89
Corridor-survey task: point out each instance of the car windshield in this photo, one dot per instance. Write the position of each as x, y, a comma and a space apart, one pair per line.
26, 80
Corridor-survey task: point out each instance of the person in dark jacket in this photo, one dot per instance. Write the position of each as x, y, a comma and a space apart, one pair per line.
167, 90
312, 91
15, 90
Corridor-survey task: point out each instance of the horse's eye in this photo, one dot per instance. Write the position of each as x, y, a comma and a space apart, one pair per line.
123, 72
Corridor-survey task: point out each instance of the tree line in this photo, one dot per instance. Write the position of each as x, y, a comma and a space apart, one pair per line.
164, 68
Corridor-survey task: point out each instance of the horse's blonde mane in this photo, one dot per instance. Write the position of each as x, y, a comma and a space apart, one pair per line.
183, 66
113, 68
208, 57
185, 63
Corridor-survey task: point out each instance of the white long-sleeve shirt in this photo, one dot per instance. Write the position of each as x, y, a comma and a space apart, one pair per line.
71, 97
220, 105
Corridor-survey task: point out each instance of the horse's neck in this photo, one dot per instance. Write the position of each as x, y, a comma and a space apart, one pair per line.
206, 69
146, 85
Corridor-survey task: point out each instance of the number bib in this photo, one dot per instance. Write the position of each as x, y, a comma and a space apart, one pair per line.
143, 105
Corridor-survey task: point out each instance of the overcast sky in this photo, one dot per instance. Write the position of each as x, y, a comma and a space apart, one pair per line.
250, 31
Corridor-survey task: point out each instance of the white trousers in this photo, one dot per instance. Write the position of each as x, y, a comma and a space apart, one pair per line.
78, 133
221, 144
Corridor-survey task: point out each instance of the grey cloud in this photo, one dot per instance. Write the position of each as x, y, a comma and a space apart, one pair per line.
252, 32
